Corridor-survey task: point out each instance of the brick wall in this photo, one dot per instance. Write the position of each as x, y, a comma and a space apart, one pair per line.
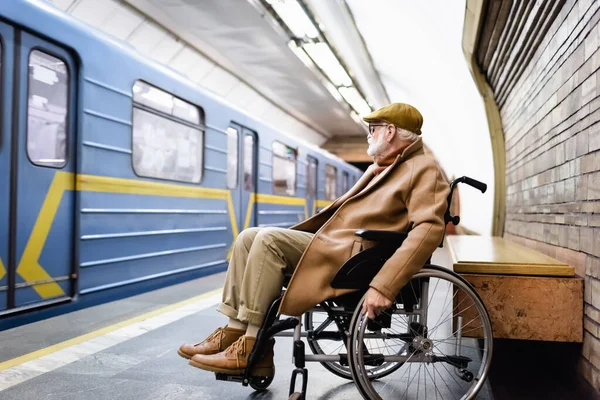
551, 122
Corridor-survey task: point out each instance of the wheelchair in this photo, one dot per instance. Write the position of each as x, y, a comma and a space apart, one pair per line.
435, 341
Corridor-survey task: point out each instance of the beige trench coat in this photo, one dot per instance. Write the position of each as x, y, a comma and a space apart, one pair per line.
410, 195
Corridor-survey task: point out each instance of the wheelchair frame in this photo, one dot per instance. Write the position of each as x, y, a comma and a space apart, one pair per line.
351, 276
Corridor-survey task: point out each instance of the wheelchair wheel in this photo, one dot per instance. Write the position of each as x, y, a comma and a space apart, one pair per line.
333, 344
261, 383
442, 345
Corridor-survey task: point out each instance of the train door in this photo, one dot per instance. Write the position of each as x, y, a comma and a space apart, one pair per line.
311, 183
6, 73
42, 181
248, 177
241, 173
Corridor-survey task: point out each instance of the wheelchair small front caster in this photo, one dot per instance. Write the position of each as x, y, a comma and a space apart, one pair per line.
466, 376
261, 383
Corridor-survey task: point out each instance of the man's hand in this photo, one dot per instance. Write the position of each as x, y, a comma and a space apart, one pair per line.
375, 303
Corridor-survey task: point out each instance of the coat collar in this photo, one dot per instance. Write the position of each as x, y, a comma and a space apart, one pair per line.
361, 186
414, 148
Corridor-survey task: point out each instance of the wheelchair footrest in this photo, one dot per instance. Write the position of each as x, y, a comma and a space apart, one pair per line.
229, 378
240, 378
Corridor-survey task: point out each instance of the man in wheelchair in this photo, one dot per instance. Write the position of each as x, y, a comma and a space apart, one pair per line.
404, 190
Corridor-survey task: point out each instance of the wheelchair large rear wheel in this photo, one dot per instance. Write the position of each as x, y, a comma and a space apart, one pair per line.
442, 346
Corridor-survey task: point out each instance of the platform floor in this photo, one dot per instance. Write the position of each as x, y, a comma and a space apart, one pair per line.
127, 349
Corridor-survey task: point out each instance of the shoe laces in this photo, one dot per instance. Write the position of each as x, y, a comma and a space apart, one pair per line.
238, 348
219, 334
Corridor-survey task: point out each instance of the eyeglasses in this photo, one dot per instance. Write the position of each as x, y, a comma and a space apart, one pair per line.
372, 128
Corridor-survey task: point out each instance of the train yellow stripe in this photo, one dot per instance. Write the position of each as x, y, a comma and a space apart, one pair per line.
2, 269
249, 210
322, 203
273, 199
92, 183
29, 267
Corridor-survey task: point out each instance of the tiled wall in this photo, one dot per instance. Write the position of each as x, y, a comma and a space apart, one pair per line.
551, 122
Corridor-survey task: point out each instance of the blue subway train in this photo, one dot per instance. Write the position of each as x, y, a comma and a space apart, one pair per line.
116, 171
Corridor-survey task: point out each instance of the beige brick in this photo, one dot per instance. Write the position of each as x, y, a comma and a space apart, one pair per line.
582, 139
592, 267
590, 326
591, 312
586, 239
573, 239
593, 186
594, 134
581, 187
587, 345
590, 163
594, 349
588, 89
593, 220
590, 207
586, 370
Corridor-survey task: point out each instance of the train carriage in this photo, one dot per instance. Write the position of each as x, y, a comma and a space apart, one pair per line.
116, 170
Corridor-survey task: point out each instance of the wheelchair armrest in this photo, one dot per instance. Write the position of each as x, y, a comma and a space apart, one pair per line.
386, 238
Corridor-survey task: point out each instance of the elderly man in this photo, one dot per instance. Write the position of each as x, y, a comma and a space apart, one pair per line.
403, 191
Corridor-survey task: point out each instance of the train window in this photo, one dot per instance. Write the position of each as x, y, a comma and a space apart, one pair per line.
167, 136
345, 181
47, 108
232, 158
249, 162
284, 169
311, 178
330, 182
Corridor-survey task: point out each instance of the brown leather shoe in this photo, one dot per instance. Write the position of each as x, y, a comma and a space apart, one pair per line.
234, 360
218, 341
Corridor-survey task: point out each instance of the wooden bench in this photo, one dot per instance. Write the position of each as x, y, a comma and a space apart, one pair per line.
528, 295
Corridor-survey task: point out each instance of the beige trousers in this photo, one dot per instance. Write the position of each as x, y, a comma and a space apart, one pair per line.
259, 260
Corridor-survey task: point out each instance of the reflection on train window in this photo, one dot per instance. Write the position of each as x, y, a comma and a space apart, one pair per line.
232, 158
47, 110
311, 178
284, 169
249, 162
345, 181
330, 182
167, 139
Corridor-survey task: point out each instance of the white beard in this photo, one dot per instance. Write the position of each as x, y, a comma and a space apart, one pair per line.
377, 148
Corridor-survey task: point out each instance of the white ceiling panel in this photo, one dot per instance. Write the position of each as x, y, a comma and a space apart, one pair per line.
147, 36
93, 12
219, 81
236, 36
185, 60
122, 22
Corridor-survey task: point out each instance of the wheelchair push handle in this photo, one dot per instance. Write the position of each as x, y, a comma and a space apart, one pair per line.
455, 219
482, 187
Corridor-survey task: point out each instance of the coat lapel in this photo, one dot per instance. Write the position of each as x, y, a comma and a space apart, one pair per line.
413, 148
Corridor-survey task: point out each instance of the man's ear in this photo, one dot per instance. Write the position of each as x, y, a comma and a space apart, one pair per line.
390, 133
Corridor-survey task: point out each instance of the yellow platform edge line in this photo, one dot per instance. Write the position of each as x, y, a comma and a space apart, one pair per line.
91, 335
